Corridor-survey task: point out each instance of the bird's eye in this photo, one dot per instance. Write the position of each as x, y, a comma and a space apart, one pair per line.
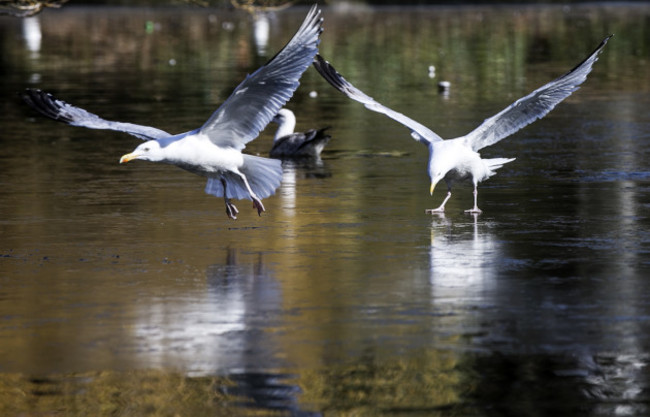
146, 149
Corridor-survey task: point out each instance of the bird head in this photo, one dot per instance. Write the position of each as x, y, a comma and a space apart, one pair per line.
286, 121
434, 181
438, 168
147, 151
283, 116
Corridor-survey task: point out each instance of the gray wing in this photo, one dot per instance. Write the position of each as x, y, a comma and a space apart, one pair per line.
532, 107
61, 111
262, 94
418, 131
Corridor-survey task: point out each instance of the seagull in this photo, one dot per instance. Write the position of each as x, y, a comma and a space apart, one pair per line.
458, 159
215, 149
288, 143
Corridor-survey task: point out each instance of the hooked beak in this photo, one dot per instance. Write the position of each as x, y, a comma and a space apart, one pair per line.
433, 186
128, 157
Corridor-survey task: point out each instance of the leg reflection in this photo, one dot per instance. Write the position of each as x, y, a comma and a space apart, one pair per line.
463, 258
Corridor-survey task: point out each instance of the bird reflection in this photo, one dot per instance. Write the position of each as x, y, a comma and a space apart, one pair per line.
294, 170
247, 291
31, 28
261, 29
620, 384
238, 279
215, 328
463, 258
596, 384
288, 188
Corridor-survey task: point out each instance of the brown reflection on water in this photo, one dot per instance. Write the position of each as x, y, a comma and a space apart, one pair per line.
134, 393
344, 296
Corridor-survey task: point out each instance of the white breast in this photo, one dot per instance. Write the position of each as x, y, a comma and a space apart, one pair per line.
196, 153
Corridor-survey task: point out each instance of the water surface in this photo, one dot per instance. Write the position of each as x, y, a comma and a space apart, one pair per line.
125, 289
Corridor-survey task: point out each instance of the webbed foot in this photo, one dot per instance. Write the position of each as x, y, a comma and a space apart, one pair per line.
231, 210
258, 205
438, 210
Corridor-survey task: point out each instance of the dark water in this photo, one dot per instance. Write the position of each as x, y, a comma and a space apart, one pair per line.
125, 290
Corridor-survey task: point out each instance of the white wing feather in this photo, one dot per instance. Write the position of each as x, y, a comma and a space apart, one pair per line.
532, 107
59, 110
253, 104
419, 132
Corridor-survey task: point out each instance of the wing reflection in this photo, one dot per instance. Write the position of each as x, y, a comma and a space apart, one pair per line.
620, 384
463, 258
581, 383
217, 328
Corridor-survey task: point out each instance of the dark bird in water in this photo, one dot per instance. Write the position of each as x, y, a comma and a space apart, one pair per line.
288, 144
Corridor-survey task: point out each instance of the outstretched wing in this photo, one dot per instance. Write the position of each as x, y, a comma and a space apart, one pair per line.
532, 107
53, 108
262, 94
418, 131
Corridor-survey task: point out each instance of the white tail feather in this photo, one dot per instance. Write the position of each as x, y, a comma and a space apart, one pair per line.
264, 176
496, 163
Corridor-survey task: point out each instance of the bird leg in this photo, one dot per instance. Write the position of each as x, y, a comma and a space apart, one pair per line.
475, 209
257, 203
231, 210
440, 209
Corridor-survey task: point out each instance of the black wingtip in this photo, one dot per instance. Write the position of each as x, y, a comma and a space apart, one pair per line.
604, 42
38, 100
327, 71
45, 103
319, 61
592, 56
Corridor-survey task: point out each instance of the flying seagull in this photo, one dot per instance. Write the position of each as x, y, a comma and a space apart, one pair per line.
287, 143
214, 149
458, 159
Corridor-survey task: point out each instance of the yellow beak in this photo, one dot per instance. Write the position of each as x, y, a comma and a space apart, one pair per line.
433, 185
128, 157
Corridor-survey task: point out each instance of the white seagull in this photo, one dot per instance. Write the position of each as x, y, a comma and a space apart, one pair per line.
458, 159
214, 149
287, 143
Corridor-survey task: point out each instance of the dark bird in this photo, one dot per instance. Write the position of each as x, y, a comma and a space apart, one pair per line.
288, 144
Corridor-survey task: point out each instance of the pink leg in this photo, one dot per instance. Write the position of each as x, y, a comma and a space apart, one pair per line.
257, 203
440, 209
475, 209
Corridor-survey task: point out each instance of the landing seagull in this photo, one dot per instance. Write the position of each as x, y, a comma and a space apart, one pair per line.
214, 149
458, 159
287, 143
